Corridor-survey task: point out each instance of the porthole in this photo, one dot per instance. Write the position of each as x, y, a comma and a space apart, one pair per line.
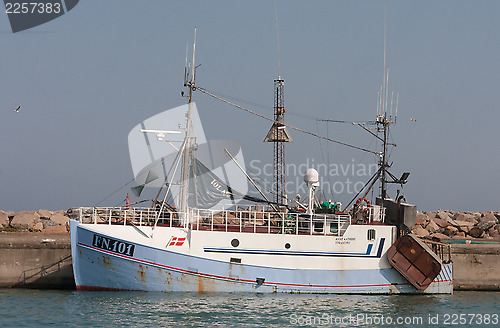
287, 245
235, 242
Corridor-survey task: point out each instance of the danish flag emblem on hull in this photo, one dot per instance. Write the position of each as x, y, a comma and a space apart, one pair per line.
176, 241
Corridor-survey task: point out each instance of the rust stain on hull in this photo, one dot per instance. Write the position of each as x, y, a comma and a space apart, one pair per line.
106, 260
201, 286
142, 273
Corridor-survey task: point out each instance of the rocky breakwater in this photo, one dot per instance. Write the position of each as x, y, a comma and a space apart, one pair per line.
444, 225
475, 245
44, 221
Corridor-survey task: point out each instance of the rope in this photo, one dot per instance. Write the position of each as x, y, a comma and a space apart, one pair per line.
289, 126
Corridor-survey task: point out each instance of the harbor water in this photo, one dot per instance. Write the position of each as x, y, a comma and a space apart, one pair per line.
59, 308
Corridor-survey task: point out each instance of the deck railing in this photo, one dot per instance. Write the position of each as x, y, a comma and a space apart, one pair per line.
442, 250
238, 219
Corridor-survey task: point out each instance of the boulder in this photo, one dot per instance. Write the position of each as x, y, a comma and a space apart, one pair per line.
476, 232
74, 212
432, 227
463, 225
497, 215
44, 214
59, 219
438, 236
443, 223
460, 234
494, 234
4, 220
459, 216
25, 220
487, 221
450, 231
442, 215
37, 227
431, 215
477, 215
422, 219
49, 223
489, 215
419, 231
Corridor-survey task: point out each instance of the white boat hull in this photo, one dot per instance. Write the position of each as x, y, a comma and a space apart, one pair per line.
107, 257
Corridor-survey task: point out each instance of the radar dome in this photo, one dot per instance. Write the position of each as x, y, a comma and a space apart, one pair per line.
311, 177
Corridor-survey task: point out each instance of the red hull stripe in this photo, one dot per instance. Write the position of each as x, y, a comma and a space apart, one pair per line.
229, 278
83, 288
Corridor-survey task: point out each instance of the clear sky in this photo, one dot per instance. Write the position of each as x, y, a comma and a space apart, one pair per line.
84, 80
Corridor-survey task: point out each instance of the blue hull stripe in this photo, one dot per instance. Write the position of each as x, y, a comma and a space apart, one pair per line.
298, 253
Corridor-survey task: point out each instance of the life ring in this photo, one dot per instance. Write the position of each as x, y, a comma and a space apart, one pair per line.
361, 199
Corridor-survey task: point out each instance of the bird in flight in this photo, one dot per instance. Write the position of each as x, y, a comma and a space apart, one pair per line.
17, 109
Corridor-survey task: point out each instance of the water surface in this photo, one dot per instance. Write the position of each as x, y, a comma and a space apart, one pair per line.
39, 308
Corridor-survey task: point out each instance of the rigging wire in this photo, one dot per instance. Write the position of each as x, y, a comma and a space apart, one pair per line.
114, 192
288, 112
287, 125
330, 191
126, 184
346, 122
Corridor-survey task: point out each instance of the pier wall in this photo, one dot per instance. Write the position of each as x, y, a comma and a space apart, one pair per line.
37, 260
476, 266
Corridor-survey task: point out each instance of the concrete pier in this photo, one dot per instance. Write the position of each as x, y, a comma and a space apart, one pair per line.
476, 266
37, 260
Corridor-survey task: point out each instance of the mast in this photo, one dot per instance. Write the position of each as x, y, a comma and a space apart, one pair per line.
383, 123
278, 134
189, 139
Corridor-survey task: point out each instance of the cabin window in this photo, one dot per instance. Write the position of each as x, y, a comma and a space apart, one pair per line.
318, 226
334, 228
371, 234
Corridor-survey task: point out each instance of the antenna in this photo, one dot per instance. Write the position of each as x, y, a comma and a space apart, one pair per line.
386, 90
186, 67
378, 102
392, 99
383, 96
384, 122
194, 53
278, 38
385, 33
397, 101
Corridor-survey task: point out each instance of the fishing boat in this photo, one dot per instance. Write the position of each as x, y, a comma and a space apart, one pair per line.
258, 245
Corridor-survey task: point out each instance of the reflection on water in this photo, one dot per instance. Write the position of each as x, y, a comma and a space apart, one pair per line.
116, 309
